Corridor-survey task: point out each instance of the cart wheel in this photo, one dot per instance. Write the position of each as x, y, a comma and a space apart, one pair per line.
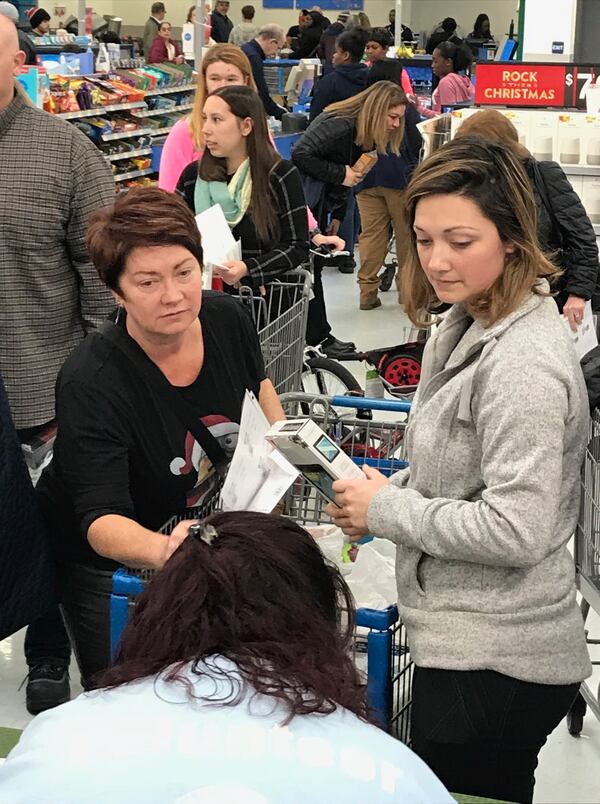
326, 377
401, 369
575, 716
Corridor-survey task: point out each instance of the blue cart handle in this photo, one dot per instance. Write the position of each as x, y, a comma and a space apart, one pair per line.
364, 403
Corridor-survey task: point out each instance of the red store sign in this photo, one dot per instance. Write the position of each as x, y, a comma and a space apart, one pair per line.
542, 85
520, 84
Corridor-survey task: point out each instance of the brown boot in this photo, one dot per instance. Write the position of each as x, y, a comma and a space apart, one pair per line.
370, 303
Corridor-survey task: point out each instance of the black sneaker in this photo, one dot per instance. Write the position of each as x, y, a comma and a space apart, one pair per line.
387, 277
346, 265
47, 687
335, 349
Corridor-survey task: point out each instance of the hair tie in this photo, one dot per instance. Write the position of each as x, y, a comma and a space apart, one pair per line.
203, 532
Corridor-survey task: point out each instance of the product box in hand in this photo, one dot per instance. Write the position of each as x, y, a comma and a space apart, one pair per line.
313, 453
365, 163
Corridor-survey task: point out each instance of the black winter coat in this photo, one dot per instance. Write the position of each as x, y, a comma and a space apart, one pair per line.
579, 258
220, 27
309, 38
27, 579
322, 153
341, 83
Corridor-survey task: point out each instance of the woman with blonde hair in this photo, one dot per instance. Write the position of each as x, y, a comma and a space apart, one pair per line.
327, 155
223, 65
483, 516
563, 227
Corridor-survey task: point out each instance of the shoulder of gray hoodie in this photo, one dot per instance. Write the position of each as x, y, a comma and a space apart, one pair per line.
483, 515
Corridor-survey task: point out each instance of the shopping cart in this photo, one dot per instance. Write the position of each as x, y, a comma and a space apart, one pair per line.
280, 314
587, 561
380, 644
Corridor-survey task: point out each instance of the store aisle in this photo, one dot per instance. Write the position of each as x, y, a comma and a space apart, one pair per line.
568, 767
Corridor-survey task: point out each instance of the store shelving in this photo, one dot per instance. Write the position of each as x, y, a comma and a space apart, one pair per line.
171, 90
128, 154
122, 135
100, 110
184, 107
160, 132
581, 170
138, 110
133, 174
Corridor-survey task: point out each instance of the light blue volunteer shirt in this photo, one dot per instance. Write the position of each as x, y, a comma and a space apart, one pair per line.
148, 743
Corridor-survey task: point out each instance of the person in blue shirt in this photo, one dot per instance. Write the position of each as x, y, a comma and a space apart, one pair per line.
234, 683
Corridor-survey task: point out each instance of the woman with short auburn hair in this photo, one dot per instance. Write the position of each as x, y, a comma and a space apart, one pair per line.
483, 516
148, 408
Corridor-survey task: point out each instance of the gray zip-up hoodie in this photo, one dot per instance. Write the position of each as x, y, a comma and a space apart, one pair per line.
483, 516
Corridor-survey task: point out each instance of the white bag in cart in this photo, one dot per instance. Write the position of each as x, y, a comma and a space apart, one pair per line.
372, 577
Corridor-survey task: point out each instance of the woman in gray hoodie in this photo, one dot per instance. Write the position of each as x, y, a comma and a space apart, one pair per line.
482, 518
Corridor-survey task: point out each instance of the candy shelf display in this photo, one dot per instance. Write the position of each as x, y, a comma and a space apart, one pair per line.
126, 113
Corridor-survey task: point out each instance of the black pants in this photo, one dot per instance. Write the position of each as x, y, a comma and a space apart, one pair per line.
46, 639
318, 327
481, 732
86, 607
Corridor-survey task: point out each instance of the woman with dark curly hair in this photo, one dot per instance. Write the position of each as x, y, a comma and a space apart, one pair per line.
234, 682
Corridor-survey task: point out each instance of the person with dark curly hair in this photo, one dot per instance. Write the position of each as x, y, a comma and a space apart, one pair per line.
234, 682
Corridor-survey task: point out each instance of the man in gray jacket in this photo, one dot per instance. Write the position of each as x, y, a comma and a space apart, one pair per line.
157, 14
52, 178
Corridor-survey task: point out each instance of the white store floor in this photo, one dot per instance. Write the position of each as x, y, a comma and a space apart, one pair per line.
569, 770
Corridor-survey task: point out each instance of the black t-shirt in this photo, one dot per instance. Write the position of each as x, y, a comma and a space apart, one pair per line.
120, 451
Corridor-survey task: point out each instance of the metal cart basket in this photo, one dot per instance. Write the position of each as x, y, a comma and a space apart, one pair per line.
587, 561
280, 314
380, 645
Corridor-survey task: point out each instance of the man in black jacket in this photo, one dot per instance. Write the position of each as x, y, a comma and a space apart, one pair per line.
270, 39
349, 76
220, 24
328, 41
407, 34
446, 34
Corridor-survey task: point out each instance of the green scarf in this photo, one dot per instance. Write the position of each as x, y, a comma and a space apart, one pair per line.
233, 198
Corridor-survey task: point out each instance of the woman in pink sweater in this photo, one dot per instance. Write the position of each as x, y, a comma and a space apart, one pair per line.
448, 63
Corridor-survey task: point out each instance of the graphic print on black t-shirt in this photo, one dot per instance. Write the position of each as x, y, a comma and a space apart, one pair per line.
196, 460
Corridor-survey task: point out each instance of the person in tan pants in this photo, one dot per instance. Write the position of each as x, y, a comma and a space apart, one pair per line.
380, 195
378, 207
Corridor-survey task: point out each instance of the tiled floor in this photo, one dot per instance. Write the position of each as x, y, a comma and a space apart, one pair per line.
569, 771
